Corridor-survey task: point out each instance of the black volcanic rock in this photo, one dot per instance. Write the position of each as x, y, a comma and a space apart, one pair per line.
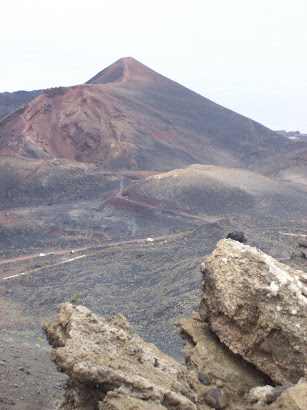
9, 102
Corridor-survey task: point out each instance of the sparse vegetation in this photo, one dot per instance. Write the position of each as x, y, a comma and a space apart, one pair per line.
74, 299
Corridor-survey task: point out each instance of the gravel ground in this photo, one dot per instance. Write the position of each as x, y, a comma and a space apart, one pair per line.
29, 380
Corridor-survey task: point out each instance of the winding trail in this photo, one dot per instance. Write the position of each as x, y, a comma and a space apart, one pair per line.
126, 71
26, 123
119, 194
64, 251
30, 175
61, 263
206, 219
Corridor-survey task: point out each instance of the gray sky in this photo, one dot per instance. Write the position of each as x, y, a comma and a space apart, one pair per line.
247, 55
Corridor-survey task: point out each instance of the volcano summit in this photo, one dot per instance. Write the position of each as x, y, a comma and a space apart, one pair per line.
128, 117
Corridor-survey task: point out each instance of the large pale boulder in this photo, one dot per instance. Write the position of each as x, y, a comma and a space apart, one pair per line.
112, 368
258, 308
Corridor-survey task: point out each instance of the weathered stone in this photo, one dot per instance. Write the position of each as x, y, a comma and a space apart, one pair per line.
257, 307
254, 304
216, 398
204, 353
266, 394
272, 396
117, 400
258, 394
101, 356
294, 398
203, 378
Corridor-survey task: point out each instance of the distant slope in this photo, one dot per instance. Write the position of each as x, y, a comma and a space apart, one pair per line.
289, 166
129, 117
9, 102
220, 191
25, 183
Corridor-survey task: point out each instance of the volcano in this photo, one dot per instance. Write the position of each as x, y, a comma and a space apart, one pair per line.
128, 117
95, 169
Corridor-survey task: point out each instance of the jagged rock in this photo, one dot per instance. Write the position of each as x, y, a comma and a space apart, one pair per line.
258, 308
255, 305
258, 395
107, 365
266, 394
294, 398
205, 354
272, 396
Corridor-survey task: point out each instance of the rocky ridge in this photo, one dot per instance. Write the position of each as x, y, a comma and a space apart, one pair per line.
110, 367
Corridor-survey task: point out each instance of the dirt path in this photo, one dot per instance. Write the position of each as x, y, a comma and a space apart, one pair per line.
37, 255
30, 175
121, 187
119, 194
65, 251
126, 71
27, 125
206, 219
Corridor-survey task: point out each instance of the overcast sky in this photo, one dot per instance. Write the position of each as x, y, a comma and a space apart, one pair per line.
247, 55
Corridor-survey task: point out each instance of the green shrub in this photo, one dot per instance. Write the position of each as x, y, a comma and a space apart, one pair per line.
74, 299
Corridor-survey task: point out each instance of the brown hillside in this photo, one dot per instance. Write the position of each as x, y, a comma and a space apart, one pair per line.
220, 191
130, 117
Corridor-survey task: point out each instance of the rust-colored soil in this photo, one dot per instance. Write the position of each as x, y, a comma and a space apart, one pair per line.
129, 117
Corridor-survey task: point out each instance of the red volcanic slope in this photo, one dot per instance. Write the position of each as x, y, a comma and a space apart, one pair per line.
130, 117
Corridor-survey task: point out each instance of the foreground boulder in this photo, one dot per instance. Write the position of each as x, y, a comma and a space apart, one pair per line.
213, 370
109, 367
254, 305
286, 397
258, 308
294, 398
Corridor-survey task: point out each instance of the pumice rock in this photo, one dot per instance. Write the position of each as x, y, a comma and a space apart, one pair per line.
110, 367
258, 308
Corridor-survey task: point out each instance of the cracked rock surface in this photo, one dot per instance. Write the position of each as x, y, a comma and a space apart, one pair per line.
108, 365
257, 307
205, 355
